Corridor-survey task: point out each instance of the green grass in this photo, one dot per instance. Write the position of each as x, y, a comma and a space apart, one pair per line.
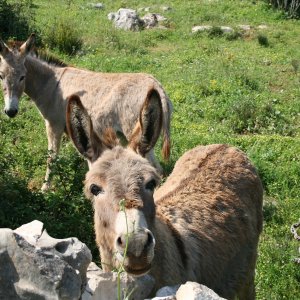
224, 90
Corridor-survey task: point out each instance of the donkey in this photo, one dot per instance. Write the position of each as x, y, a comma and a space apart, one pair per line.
203, 224
112, 99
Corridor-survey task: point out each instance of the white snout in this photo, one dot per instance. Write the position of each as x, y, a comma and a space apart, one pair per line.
11, 106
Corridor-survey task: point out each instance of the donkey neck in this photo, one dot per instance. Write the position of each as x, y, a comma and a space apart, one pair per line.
170, 247
41, 80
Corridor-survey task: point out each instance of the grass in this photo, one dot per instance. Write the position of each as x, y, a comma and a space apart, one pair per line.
224, 90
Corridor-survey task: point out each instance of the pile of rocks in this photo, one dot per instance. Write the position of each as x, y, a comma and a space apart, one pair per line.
33, 265
128, 19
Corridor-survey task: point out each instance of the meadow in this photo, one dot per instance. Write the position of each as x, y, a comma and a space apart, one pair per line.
240, 88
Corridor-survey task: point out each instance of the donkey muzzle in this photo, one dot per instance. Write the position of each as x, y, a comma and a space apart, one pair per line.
11, 112
136, 251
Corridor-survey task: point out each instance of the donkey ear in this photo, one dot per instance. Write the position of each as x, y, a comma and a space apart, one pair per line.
80, 130
3, 49
148, 128
28, 45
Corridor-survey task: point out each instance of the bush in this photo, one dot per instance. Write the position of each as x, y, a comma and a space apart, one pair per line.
16, 19
263, 40
64, 36
291, 7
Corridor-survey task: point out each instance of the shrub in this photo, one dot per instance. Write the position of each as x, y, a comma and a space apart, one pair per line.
291, 7
215, 31
263, 40
16, 19
64, 36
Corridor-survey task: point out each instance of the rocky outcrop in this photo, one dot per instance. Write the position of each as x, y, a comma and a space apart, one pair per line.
104, 286
128, 19
35, 266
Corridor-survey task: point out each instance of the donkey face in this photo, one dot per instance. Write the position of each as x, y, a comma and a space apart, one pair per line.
12, 74
120, 183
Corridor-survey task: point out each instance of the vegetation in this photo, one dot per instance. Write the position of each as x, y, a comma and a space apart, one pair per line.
16, 18
291, 7
241, 89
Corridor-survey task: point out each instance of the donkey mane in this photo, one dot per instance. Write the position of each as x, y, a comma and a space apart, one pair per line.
49, 58
39, 53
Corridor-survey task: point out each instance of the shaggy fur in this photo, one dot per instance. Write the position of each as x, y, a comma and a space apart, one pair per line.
111, 99
205, 220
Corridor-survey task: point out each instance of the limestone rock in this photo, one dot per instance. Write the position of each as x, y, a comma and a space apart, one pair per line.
201, 28
166, 8
126, 19
196, 291
167, 291
96, 5
104, 285
244, 27
36, 266
226, 29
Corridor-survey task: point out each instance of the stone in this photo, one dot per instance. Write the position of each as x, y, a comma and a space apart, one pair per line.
226, 29
126, 19
31, 232
196, 291
71, 250
244, 27
96, 5
38, 266
160, 18
150, 20
201, 28
167, 291
111, 16
104, 285
166, 8
262, 26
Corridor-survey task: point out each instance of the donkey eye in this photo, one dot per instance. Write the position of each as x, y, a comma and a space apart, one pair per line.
96, 189
151, 185
22, 78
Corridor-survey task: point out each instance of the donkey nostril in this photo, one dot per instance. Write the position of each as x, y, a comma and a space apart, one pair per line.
120, 242
149, 239
11, 112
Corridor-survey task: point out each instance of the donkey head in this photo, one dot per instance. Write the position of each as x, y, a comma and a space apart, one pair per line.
120, 184
12, 74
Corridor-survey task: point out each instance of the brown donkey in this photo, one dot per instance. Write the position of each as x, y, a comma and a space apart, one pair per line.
203, 224
111, 99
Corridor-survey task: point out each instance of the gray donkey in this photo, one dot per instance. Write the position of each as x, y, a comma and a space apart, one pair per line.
111, 99
203, 224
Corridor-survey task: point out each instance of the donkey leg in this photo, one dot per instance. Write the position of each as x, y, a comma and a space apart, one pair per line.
154, 162
247, 291
54, 135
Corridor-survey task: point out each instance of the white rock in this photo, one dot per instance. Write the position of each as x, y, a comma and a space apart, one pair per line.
196, 291
244, 27
31, 232
201, 28
96, 5
262, 26
126, 19
166, 8
111, 16
226, 29
104, 285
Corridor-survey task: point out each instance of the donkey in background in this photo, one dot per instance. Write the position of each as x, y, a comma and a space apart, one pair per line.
111, 99
203, 224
